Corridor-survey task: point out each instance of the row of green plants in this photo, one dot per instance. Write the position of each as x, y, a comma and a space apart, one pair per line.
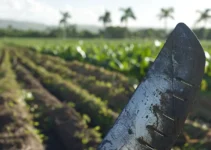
99, 73
131, 59
84, 102
54, 118
199, 140
17, 130
116, 95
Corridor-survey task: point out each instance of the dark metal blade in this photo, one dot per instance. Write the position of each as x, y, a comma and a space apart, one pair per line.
155, 115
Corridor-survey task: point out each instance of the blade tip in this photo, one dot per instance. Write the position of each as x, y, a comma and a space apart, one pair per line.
182, 25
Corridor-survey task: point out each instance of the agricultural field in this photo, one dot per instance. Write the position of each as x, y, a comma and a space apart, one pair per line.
66, 94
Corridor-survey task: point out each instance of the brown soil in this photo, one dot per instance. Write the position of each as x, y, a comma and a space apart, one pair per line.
57, 118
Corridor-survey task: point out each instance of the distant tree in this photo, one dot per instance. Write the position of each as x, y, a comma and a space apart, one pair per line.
64, 21
204, 16
72, 31
116, 32
87, 34
105, 18
9, 27
127, 13
166, 13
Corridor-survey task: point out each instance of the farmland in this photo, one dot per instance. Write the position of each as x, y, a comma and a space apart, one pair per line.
69, 92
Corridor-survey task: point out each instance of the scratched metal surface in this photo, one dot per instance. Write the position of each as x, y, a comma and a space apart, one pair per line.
155, 115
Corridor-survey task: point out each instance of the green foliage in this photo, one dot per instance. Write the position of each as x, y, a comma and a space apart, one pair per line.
115, 32
133, 58
64, 22
106, 18
67, 91
71, 31
117, 95
166, 13
204, 16
55, 118
127, 14
15, 117
111, 32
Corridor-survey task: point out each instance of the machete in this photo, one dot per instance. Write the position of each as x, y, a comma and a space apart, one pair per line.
155, 114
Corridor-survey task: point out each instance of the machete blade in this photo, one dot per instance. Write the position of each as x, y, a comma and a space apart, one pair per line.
155, 114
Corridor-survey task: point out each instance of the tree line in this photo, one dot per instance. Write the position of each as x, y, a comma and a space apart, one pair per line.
65, 29
164, 14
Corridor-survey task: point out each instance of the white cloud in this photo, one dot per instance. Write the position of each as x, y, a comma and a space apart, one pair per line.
85, 15
30, 10
38, 11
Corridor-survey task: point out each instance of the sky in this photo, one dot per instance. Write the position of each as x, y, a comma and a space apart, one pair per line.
88, 11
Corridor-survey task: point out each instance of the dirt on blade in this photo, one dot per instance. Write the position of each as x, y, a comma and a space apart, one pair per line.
158, 109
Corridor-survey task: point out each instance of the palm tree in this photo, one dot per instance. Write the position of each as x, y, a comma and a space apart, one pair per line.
105, 18
64, 21
166, 13
204, 16
127, 13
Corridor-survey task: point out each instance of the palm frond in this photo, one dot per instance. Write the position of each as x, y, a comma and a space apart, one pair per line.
122, 9
62, 21
100, 18
123, 18
198, 20
166, 13
172, 17
133, 16
204, 15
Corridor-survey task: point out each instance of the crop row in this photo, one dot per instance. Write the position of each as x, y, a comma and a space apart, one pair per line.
101, 74
55, 117
16, 129
124, 57
66, 91
117, 97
